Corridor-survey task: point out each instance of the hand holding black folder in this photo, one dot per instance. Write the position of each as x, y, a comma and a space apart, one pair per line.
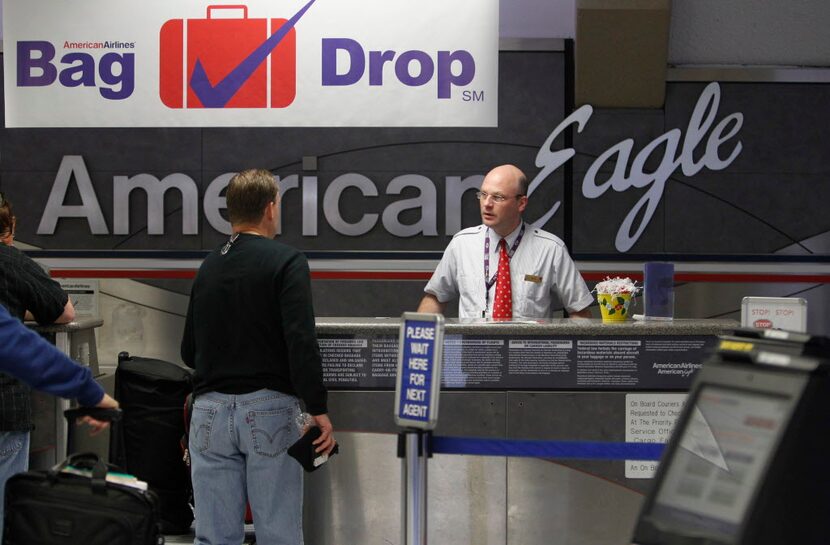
303, 450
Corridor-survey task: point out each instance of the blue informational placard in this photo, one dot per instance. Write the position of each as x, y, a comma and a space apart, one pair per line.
418, 383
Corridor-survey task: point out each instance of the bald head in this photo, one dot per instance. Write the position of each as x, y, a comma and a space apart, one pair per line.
503, 199
512, 175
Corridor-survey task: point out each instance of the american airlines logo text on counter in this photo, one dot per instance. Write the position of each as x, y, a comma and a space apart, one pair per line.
707, 143
297, 59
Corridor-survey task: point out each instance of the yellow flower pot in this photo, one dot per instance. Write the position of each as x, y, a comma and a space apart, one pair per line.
614, 306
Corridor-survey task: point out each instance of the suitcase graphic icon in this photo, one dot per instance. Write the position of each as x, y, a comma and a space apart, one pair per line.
227, 61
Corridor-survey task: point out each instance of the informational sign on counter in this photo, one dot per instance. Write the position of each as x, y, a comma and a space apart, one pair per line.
586, 362
649, 418
83, 294
788, 313
418, 384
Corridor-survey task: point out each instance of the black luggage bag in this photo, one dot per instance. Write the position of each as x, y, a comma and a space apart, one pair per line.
52, 507
147, 443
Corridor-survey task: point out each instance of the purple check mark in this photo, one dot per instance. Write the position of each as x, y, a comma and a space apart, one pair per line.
216, 96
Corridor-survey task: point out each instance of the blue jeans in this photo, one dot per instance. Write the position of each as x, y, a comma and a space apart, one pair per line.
14, 458
238, 449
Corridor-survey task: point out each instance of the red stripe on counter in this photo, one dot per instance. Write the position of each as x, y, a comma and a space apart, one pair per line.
590, 276
593, 276
191, 273
185, 274
765, 278
370, 275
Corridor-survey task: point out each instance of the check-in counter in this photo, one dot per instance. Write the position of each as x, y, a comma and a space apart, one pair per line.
48, 441
565, 379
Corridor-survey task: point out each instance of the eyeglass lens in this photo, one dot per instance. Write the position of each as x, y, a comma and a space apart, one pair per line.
481, 195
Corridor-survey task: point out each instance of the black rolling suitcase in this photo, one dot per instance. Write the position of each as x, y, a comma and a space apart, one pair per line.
53, 507
151, 393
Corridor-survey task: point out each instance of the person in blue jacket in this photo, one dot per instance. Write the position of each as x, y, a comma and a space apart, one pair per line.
26, 292
29, 357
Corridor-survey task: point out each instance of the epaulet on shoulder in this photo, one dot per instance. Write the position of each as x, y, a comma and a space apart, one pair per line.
547, 236
469, 231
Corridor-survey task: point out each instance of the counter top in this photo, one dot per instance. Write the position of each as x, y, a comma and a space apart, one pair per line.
76, 325
555, 326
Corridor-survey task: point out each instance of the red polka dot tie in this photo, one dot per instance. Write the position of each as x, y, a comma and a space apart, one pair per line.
503, 302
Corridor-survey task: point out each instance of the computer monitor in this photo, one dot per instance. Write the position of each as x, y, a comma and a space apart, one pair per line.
724, 450
751, 436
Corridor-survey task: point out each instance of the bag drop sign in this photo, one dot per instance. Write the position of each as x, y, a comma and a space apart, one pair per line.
418, 383
293, 63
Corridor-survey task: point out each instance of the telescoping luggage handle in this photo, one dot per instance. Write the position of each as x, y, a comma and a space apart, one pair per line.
98, 413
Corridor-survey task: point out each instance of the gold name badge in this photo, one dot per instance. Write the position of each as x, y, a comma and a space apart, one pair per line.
533, 278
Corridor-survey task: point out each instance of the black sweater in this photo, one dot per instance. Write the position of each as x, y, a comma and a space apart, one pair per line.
24, 286
250, 323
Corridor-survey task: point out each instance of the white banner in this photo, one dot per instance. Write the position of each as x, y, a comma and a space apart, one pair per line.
163, 63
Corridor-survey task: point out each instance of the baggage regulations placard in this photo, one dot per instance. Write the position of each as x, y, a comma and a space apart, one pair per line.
418, 383
521, 362
293, 63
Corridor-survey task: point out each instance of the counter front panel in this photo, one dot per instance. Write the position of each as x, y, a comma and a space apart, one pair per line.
521, 362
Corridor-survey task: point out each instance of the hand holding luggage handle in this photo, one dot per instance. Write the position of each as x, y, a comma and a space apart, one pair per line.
98, 413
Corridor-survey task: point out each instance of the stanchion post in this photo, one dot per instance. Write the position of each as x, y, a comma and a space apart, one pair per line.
417, 391
416, 452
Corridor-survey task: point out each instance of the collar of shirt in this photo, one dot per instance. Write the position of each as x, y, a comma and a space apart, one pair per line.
509, 239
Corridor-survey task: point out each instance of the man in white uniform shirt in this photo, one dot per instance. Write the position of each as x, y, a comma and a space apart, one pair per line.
539, 261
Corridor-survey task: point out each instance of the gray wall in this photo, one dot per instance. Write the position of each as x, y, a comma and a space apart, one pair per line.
750, 32
737, 32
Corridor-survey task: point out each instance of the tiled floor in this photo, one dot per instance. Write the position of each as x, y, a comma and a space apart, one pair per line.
179, 539
187, 539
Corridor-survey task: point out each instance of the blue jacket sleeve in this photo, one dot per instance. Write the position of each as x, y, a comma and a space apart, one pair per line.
27, 356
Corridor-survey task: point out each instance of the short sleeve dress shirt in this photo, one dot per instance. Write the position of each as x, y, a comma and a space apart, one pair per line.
540, 268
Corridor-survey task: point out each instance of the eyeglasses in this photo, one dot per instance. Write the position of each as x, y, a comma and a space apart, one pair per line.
498, 198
